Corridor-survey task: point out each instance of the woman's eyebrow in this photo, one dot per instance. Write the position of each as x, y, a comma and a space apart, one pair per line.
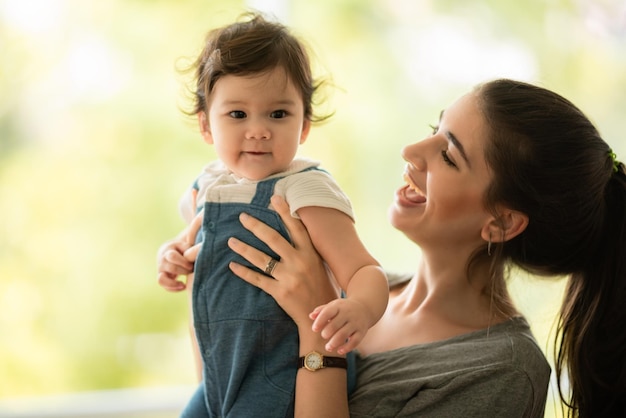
454, 140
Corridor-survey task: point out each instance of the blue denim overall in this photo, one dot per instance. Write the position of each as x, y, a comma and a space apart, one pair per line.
249, 345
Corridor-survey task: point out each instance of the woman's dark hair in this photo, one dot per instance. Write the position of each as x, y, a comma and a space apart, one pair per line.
549, 162
253, 46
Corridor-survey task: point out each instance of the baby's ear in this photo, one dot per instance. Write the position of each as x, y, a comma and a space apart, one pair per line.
306, 128
205, 131
509, 224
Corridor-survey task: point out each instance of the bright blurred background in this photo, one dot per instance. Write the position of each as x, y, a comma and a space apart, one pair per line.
94, 154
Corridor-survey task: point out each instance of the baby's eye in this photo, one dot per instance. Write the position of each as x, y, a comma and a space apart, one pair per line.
446, 159
434, 128
278, 114
237, 114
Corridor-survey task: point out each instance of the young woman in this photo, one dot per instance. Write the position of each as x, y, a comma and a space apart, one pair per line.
513, 175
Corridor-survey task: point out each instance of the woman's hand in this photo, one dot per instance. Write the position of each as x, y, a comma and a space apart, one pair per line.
300, 281
177, 257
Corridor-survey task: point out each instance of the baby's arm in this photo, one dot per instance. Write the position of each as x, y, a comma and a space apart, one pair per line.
171, 260
177, 257
171, 264
344, 322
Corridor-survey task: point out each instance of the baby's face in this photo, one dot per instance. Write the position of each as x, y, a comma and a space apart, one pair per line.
256, 123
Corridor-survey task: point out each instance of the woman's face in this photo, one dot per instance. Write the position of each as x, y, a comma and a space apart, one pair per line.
446, 176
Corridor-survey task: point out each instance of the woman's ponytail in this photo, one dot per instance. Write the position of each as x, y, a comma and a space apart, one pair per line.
550, 163
591, 338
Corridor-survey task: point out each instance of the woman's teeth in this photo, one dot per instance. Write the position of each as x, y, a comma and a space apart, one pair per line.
412, 185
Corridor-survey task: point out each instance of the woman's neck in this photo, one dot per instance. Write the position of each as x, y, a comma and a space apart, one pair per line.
443, 289
438, 303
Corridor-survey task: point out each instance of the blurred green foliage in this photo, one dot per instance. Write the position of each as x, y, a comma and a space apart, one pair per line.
94, 152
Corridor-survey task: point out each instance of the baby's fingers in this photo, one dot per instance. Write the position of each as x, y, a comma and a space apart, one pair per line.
342, 340
175, 263
315, 313
322, 316
191, 254
344, 345
193, 228
170, 283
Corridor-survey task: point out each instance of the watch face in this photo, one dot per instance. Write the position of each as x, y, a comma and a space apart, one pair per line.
313, 361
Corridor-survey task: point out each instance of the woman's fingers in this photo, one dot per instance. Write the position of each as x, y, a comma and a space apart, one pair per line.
299, 281
256, 257
254, 278
268, 235
281, 246
297, 230
293, 290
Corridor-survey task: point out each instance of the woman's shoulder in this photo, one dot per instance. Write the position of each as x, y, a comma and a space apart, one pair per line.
511, 344
520, 341
503, 361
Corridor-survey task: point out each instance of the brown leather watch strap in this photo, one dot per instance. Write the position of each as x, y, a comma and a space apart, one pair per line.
340, 362
327, 361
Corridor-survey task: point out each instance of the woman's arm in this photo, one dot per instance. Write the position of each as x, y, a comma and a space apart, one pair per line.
322, 393
299, 285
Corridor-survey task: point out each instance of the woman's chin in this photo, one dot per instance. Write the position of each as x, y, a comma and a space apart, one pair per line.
395, 217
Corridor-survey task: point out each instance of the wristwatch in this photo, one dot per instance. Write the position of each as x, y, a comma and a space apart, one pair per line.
314, 361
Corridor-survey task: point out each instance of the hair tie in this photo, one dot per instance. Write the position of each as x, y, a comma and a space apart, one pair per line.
616, 163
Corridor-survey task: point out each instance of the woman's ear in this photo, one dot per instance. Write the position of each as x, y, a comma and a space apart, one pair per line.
205, 130
508, 225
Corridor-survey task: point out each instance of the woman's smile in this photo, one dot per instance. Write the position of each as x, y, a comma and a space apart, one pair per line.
411, 191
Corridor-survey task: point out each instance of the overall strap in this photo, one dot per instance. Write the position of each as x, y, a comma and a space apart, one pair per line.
265, 189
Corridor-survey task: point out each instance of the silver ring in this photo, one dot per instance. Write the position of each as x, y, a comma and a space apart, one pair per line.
271, 265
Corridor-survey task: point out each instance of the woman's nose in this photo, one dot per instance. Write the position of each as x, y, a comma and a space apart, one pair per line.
412, 154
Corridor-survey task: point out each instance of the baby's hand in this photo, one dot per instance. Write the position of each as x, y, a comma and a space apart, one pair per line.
171, 263
343, 322
177, 257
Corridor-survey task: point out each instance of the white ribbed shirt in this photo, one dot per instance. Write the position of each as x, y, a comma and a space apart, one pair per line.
300, 189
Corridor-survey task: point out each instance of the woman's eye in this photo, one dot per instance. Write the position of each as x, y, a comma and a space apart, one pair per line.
237, 114
278, 114
446, 159
434, 128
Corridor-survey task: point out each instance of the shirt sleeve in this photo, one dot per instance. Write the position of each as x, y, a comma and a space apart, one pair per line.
187, 205
314, 188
